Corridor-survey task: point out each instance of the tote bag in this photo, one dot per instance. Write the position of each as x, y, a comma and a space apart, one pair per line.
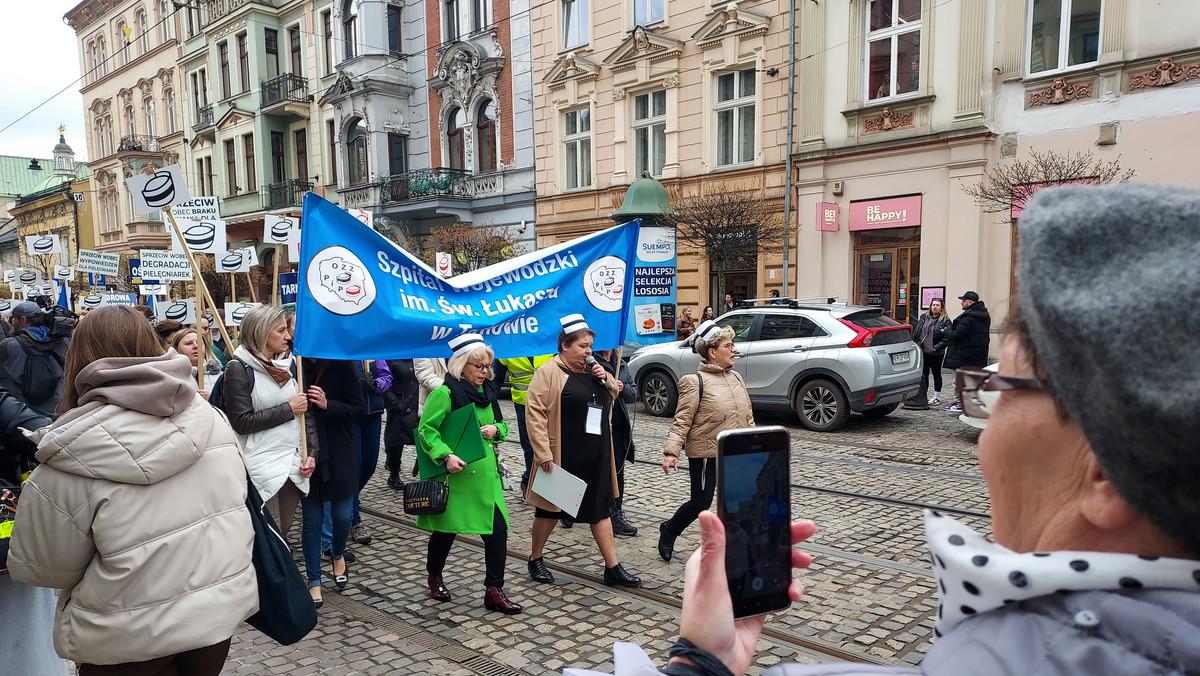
285, 610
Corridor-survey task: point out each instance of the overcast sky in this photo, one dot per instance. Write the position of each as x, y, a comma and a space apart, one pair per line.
38, 57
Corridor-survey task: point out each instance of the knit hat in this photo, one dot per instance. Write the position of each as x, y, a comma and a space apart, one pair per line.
1106, 276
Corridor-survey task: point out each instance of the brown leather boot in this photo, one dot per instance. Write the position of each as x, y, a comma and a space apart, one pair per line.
494, 599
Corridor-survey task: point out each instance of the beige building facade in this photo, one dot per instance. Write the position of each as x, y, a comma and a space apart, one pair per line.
132, 97
693, 94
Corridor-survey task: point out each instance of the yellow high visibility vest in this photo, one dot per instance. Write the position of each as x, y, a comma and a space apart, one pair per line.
520, 374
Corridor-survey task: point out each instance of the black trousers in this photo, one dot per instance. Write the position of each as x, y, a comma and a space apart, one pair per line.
393, 454
495, 551
933, 364
701, 497
207, 661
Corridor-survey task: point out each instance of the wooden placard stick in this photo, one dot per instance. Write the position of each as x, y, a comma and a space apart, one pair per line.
198, 277
275, 284
300, 384
253, 293
233, 286
202, 360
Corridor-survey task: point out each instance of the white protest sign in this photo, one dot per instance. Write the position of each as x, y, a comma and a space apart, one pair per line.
162, 189
6, 308
26, 277
293, 251
235, 261
281, 229
152, 289
183, 311
201, 236
445, 266
165, 265
251, 255
99, 263
90, 301
64, 272
362, 215
198, 209
10, 276
42, 244
235, 312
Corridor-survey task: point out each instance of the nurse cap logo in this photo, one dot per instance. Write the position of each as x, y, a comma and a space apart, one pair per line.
231, 261
63, 272
707, 330
200, 235
176, 311
159, 191
92, 301
29, 277
466, 343
239, 313
279, 231
340, 282
43, 244
573, 323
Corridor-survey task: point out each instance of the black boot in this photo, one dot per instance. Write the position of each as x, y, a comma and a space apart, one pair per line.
394, 482
617, 575
539, 572
666, 542
620, 526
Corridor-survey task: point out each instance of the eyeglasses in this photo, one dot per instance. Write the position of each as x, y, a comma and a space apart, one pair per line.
481, 367
970, 381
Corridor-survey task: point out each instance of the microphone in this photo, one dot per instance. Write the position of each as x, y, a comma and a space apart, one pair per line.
591, 363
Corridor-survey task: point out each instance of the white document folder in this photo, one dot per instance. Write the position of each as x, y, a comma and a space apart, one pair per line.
561, 487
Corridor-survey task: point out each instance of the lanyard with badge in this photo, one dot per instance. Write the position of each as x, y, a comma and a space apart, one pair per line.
595, 410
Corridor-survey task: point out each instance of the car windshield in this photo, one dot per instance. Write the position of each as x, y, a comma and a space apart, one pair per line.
871, 319
741, 325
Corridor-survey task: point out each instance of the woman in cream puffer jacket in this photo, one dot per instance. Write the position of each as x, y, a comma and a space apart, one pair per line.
137, 511
699, 417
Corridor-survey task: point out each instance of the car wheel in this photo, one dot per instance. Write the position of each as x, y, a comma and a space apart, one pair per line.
880, 411
659, 394
821, 406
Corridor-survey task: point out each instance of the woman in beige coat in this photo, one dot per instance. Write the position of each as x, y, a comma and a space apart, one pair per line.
137, 511
725, 405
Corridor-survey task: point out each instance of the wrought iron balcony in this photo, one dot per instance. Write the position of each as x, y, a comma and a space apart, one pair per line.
138, 144
287, 194
423, 183
204, 118
283, 89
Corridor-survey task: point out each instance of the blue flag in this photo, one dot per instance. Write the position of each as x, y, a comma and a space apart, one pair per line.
363, 297
64, 297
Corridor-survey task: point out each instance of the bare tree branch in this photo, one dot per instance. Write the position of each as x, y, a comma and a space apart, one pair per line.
473, 246
1015, 181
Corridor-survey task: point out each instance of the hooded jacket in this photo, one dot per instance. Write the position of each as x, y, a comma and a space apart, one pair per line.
138, 514
967, 338
15, 351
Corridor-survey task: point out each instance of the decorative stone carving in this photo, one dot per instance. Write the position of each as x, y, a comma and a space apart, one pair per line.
670, 81
1060, 91
1166, 73
463, 74
619, 94
641, 43
888, 120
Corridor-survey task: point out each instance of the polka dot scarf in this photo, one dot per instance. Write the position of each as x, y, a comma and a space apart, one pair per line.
976, 575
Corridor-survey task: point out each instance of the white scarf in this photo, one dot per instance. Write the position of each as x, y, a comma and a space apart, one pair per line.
976, 575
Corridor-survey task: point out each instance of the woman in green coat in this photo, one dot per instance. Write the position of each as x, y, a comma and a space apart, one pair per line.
476, 500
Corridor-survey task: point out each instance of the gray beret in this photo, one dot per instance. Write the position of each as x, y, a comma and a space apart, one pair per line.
1109, 279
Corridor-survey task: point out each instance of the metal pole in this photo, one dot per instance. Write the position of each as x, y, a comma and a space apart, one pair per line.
791, 123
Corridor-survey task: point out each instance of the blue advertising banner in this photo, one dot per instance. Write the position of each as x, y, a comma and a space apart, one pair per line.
652, 307
363, 297
287, 287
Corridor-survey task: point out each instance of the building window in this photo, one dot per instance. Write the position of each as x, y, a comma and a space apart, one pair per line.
277, 162
332, 142
650, 132
454, 23
356, 152
300, 137
223, 61
164, 21
243, 61
393, 27
191, 21
485, 134
327, 39
481, 14
271, 47
397, 154
735, 117
294, 48
94, 55
349, 32
456, 142
577, 139
123, 42
108, 135
103, 57
893, 48
1063, 34
200, 175
169, 98
130, 122
230, 168
251, 170
647, 11
151, 123
143, 34
575, 23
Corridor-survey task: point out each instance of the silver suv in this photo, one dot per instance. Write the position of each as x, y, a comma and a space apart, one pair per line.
821, 359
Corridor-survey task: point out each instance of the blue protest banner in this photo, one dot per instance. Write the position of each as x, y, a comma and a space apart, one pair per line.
363, 297
135, 273
287, 287
130, 299
95, 280
652, 311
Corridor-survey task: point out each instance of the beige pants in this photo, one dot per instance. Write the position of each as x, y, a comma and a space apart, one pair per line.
282, 506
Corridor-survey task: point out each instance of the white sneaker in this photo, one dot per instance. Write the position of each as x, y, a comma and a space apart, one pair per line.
934, 400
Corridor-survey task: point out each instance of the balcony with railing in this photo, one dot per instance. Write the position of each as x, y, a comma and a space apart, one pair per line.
289, 193
206, 121
425, 183
286, 94
134, 143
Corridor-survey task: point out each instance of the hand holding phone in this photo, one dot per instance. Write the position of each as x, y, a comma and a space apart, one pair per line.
754, 505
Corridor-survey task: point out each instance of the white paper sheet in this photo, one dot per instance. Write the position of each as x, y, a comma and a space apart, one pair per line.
560, 487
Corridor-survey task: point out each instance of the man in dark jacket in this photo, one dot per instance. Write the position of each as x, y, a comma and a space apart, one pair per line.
966, 342
31, 362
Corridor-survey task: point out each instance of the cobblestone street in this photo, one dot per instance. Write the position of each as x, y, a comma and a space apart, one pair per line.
869, 595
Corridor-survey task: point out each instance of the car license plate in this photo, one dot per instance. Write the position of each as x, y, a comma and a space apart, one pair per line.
900, 358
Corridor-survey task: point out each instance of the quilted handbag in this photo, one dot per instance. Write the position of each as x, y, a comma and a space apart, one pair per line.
422, 498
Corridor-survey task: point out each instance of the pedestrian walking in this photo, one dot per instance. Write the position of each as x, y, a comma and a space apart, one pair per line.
264, 402
145, 529
401, 393
622, 434
476, 495
567, 414
927, 334
711, 400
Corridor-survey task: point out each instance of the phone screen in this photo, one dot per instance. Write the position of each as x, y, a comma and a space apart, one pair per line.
754, 503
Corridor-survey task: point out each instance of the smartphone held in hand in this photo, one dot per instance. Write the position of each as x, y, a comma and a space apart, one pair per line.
754, 504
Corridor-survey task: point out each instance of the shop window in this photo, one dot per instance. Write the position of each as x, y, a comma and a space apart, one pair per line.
577, 151
650, 132
893, 58
1063, 34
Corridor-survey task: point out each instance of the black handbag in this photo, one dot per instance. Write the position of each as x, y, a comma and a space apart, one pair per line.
285, 610
422, 498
